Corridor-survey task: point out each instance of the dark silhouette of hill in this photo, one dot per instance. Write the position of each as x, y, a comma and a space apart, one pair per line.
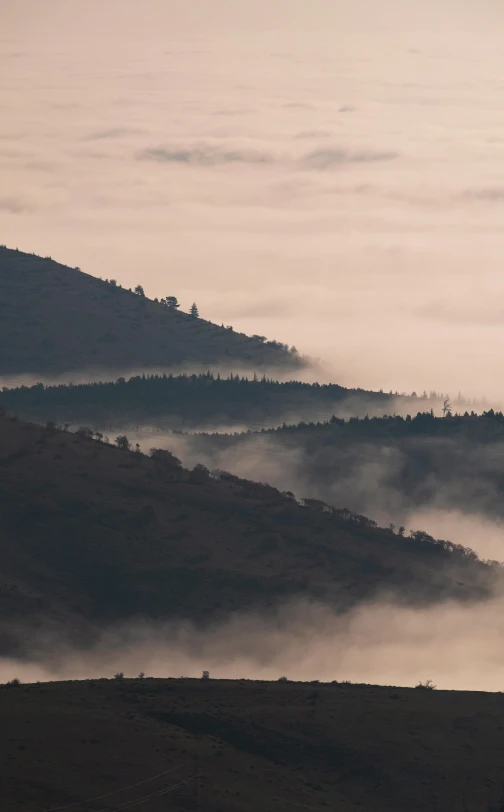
253, 745
382, 467
93, 534
181, 401
55, 319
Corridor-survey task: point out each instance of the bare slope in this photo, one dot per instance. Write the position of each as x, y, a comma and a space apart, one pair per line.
255, 746
55, 319
91, 535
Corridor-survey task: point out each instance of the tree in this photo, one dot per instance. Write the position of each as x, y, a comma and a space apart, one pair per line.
447, 407
85, 432
165, 458
122, 442
199, 475
194, 311
171, 302
139, 290
262, 339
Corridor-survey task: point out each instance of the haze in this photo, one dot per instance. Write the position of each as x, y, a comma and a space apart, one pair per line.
329, 174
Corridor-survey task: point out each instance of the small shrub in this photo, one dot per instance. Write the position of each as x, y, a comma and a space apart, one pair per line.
428, 685
119, 675
14, 682
283, 679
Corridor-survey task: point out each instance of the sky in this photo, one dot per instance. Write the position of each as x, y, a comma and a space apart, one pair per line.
329, 174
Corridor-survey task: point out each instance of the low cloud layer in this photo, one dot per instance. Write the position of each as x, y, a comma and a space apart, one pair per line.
456, 646
212, 155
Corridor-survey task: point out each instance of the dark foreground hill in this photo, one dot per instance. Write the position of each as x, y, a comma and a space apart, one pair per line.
253, 745
92, 534
55, 319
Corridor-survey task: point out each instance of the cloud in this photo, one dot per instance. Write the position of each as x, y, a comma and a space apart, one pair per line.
14, 205
217, 155
205, 155
329, 158
113, 132
490, 193
313, 134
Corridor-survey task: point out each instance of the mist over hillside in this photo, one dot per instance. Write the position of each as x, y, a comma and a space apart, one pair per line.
94, 534
442, 474
206, 400
252, 417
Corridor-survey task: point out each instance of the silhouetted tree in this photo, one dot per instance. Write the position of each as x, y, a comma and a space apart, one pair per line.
122, 442
194, 311
172, 302
199, 475
139, 290
165, 458
85, 432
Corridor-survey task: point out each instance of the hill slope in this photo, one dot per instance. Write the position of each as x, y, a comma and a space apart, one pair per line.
254, 745
384, 467
91, 535
183, 401
55, 319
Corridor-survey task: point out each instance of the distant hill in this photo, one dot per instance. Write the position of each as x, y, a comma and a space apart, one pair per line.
92, 534
182, 401
252, 745
386, 467
55, 319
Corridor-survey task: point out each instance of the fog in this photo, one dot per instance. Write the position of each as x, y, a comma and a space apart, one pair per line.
458, 647
457, 499
327, 174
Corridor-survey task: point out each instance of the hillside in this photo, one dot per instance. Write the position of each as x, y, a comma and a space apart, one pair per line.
55, 319
384, 467
92, 534
253, 745
198, 400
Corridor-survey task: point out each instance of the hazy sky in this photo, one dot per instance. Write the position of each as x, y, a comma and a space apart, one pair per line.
329, 173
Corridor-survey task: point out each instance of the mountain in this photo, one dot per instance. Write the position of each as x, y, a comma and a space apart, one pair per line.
93, 534
387, 467
252, 745
184, 401
55, 319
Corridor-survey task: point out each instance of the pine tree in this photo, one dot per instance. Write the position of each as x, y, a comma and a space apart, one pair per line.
194, 311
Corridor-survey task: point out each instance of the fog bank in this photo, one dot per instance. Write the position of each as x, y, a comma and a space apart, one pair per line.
458, 647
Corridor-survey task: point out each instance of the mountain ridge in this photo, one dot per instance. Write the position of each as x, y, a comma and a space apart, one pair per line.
55, 319
93, 534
